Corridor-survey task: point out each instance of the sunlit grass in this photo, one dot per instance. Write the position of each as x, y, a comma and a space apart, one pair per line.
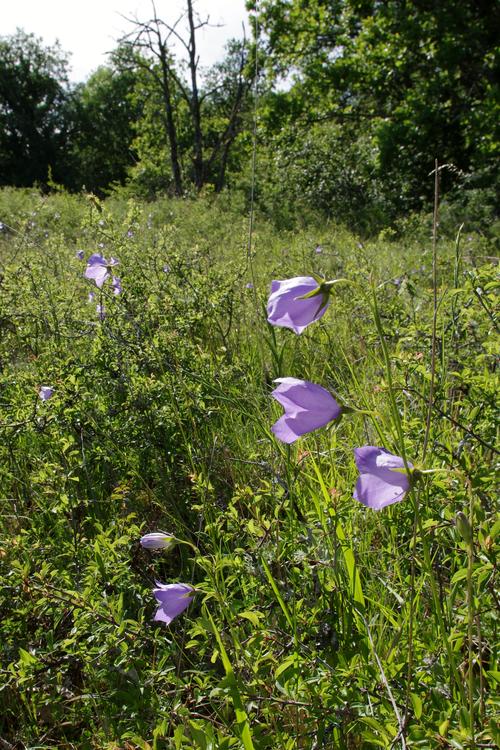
301, 629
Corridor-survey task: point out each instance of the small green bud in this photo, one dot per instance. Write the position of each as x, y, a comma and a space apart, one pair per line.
464, 527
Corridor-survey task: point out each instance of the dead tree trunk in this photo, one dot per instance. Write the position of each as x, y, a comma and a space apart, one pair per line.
170, 123
195, 101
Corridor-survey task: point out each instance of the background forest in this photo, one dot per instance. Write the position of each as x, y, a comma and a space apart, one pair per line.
352, 99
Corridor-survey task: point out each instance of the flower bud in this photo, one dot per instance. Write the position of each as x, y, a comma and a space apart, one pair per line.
464, 527
157, 540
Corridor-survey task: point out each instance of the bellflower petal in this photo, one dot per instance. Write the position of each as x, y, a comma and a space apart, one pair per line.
307, 406
116, 284
173, 598
97, 269
285, 307
79, 254
45, 392
157, 540
383, 479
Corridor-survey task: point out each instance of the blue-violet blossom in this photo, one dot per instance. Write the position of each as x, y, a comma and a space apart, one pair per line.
383, 477
173, 598
307, 406
287, 307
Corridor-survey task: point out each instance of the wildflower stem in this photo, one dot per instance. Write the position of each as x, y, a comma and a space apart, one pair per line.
387, 361
434, 309
413, 495
438, 611
470, 614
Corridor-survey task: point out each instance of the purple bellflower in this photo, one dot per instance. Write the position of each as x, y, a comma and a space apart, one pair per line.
116, 284
289, 307
157, 540
46, 392
307, 407
173, 598
383, 478
79, 254
98, 268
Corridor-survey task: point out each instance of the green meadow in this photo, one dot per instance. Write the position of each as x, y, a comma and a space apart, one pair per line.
316, 622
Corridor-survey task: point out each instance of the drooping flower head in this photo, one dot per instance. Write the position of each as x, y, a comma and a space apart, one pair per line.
289, 307
101, 311
383, 478
173, 598
307, 406
79, 254
98, 268
157, 540
45, 392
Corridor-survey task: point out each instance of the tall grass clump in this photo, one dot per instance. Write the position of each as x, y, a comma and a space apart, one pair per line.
288, 613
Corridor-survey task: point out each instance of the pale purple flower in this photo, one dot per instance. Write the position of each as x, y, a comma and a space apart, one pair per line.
116, 284
166, 268
79, 254
101, 311
157, 540
98, 268
383, 478
249, 285
318, 249
307, 407
173, 598
45, 392
91, 296
285, 307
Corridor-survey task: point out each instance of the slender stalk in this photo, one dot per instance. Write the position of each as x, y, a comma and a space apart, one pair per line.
434, 309
470, 613
436, 601
414, 497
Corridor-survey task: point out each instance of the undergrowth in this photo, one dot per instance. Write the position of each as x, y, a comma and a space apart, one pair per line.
309, 606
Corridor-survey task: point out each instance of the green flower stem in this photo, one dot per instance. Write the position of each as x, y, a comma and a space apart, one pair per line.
470, 614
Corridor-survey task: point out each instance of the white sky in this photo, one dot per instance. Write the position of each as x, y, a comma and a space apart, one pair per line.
88, 28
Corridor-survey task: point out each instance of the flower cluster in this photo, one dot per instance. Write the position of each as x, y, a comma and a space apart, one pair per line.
99, 269
384, 478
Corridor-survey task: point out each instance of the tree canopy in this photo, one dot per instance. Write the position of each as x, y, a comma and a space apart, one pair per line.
355, 99
33, 110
